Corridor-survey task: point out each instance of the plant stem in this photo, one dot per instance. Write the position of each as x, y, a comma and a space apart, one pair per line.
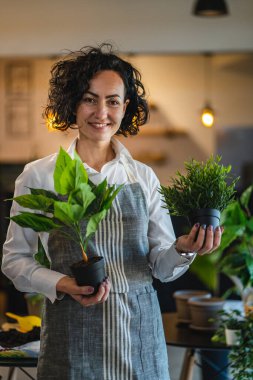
85, 257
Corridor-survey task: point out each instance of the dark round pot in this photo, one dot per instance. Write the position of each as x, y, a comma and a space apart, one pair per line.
207, 216
91, 273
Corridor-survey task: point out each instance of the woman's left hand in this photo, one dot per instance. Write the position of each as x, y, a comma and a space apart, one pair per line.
208, 240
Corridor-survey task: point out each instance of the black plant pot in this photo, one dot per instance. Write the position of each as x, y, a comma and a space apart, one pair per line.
91, 273
207, 216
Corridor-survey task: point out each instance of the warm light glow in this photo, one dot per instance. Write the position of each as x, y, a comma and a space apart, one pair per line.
50, 123
207, 117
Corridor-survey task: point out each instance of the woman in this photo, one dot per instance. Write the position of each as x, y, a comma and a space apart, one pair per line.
85, 337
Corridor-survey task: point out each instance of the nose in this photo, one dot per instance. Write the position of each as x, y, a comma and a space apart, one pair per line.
101, 111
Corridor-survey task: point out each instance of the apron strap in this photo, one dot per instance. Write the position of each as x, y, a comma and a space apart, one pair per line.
128, 166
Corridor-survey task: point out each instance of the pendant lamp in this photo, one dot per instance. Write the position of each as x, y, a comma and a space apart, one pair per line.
210, 8
207, 112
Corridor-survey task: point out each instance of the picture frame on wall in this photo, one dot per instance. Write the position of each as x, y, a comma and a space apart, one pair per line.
18, 79
18, 121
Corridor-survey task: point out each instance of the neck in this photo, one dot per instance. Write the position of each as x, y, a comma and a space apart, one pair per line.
96, 155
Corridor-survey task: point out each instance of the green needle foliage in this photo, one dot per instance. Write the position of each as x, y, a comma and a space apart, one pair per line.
205, 185
240, 355
76, 199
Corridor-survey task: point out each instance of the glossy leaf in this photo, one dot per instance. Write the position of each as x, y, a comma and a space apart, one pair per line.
83, 196
36, 222
68, 213
62, 161
68, 178
245, 197
41, 256
94, 222
81, 173
46, 193
35, 202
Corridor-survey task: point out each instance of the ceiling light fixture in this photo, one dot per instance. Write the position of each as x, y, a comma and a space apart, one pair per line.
210, 8
207, 113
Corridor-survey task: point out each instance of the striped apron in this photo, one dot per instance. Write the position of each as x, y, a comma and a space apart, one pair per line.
121, 339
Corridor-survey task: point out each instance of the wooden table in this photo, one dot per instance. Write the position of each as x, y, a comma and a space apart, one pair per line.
20, 363
181, 335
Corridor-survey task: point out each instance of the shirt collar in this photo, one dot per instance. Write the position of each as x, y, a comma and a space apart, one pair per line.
119, 149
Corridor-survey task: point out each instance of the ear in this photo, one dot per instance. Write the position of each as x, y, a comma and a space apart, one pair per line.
125, 105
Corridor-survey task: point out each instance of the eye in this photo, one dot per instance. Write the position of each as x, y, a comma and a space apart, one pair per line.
89, 100
114, 102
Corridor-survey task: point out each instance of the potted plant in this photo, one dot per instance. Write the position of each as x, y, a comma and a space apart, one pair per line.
230, 324
76, 200
241, 354
202, 193
235, 254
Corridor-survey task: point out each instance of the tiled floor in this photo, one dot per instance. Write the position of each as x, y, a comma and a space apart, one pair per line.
176, 356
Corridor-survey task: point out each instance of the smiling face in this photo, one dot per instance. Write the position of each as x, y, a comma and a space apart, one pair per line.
102, 108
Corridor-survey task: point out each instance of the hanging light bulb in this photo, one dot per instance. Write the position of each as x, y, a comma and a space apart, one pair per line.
210, 8
207, 113
207, 116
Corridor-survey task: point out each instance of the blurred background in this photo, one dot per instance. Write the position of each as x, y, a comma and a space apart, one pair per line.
188, 63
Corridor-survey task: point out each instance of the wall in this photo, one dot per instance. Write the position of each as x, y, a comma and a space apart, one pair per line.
45, 28
175, 84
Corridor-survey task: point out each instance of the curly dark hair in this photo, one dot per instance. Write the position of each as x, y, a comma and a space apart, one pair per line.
70, 80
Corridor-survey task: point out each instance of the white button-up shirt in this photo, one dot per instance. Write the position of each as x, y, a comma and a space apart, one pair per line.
21, 244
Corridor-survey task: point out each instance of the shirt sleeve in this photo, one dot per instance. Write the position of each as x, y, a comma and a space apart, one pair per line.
18, 262
165, 262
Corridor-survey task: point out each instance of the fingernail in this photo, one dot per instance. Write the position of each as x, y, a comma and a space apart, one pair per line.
203, 226
217, 228
196, 225
210, 228
90, 290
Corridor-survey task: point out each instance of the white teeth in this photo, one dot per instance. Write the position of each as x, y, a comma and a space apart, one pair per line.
98, 125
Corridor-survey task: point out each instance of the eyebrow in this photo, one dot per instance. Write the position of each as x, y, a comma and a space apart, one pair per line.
108, 96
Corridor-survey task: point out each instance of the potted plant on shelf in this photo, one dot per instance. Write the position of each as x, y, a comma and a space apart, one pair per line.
201, 194
76, 200
230, 323
241, 354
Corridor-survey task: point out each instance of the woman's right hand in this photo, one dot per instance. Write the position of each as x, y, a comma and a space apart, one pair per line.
69, 286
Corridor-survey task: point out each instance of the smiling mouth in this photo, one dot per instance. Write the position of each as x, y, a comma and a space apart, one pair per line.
99, 125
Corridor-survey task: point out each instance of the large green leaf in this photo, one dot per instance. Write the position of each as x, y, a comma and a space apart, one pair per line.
230, 234
68, 213
41, 256
63, 159
36, 222
46, 193
206, 271
83, 195
245, 197
81, 174
94, 222
110, 197
249, 224
249, 262
68, 178
35, 202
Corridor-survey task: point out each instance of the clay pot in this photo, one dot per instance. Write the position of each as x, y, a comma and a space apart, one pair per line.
91, 273
204, 309
181, 298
